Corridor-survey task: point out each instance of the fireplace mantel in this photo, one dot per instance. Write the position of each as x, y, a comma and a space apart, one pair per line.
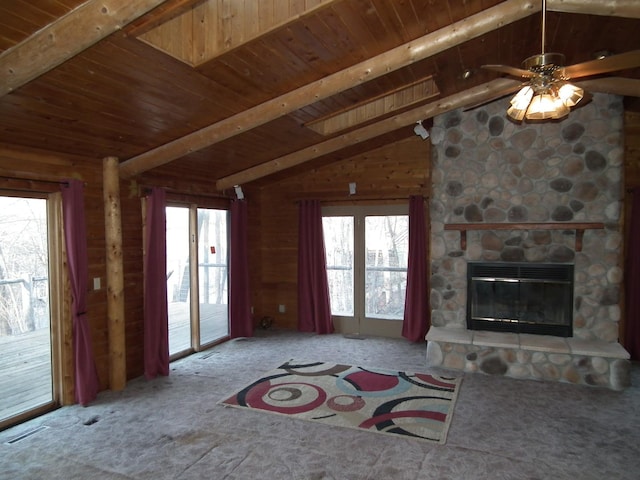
579, 227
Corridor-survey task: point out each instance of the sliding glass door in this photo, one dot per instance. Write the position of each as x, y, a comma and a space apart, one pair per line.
25, 323
212, 275
178, 279
198, 317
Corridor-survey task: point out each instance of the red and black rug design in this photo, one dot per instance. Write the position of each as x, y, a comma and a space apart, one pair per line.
418, 405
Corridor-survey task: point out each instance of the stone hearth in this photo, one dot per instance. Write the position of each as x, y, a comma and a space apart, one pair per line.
489, 170
540, 357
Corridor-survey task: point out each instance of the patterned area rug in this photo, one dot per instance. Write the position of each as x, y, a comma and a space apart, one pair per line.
416, 405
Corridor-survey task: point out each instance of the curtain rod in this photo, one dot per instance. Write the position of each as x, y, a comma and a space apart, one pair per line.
21, 189
146, 189
334, 200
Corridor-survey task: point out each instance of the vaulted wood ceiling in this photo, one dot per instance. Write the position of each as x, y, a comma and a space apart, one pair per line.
265, 87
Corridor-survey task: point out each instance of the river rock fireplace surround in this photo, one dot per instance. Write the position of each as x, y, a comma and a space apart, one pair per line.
514, 196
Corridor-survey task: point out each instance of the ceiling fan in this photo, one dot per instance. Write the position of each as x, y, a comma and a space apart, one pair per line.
547, 92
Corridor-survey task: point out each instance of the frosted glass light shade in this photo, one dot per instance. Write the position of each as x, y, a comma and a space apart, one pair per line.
552, 101
570, 94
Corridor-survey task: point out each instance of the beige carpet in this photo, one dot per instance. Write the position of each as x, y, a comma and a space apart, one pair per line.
174, 427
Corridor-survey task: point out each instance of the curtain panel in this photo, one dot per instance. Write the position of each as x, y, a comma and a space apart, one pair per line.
416, 308
240, 321
156, 317
75, 235
632, 280
314, 309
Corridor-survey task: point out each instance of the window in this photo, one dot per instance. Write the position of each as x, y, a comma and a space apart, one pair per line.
367, 250
338, 243
386, 243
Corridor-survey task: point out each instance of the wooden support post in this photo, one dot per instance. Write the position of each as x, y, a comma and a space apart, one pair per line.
115, 274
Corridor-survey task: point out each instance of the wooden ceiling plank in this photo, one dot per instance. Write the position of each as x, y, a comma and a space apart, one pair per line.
66, 37
23, 154
424, 47
223, 25
473, 95
162, 14
378, 106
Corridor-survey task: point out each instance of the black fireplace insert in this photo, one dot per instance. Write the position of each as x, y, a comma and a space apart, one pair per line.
520, 297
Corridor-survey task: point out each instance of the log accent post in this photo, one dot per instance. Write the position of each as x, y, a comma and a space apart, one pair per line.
115, 274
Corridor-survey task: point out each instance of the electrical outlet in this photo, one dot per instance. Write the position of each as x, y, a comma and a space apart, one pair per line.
282, 308
96, 283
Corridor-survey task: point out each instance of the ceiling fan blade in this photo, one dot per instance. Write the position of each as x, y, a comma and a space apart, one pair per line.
621, 61
516, 72
498, 95
629, 87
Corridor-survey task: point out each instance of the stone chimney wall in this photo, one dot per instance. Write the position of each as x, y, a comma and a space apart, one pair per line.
487, 169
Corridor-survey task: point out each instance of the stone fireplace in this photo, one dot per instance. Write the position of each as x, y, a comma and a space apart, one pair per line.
547, 193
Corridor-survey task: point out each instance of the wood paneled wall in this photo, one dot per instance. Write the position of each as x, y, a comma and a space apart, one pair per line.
385, 175
631, 180
632, 149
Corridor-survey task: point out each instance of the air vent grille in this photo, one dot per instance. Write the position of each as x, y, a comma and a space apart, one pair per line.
528, 271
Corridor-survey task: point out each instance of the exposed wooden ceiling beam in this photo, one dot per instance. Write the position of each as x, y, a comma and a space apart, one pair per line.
424, 47
69, 35
608, 8
419, 49
477, 94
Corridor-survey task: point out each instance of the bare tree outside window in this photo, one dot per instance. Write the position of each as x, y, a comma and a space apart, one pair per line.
24, 282
386, 266
338, 239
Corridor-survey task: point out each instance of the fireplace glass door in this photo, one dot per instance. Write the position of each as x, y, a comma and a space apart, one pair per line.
522, 298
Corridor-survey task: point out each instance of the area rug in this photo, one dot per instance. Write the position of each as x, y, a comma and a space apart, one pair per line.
416, 405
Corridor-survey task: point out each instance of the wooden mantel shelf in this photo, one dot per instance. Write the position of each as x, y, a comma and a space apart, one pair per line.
579, 227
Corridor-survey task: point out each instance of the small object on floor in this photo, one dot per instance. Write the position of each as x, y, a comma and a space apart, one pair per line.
266, 322
91, 421
354, 336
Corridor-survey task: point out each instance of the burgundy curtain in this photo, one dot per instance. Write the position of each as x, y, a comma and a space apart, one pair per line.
416, 305
75, 235
156, 317
240, 322
632, 283
314, 310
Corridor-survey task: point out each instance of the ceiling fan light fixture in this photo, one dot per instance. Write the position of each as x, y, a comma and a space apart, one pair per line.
546, 105
520, 103
551, 99
570, 94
